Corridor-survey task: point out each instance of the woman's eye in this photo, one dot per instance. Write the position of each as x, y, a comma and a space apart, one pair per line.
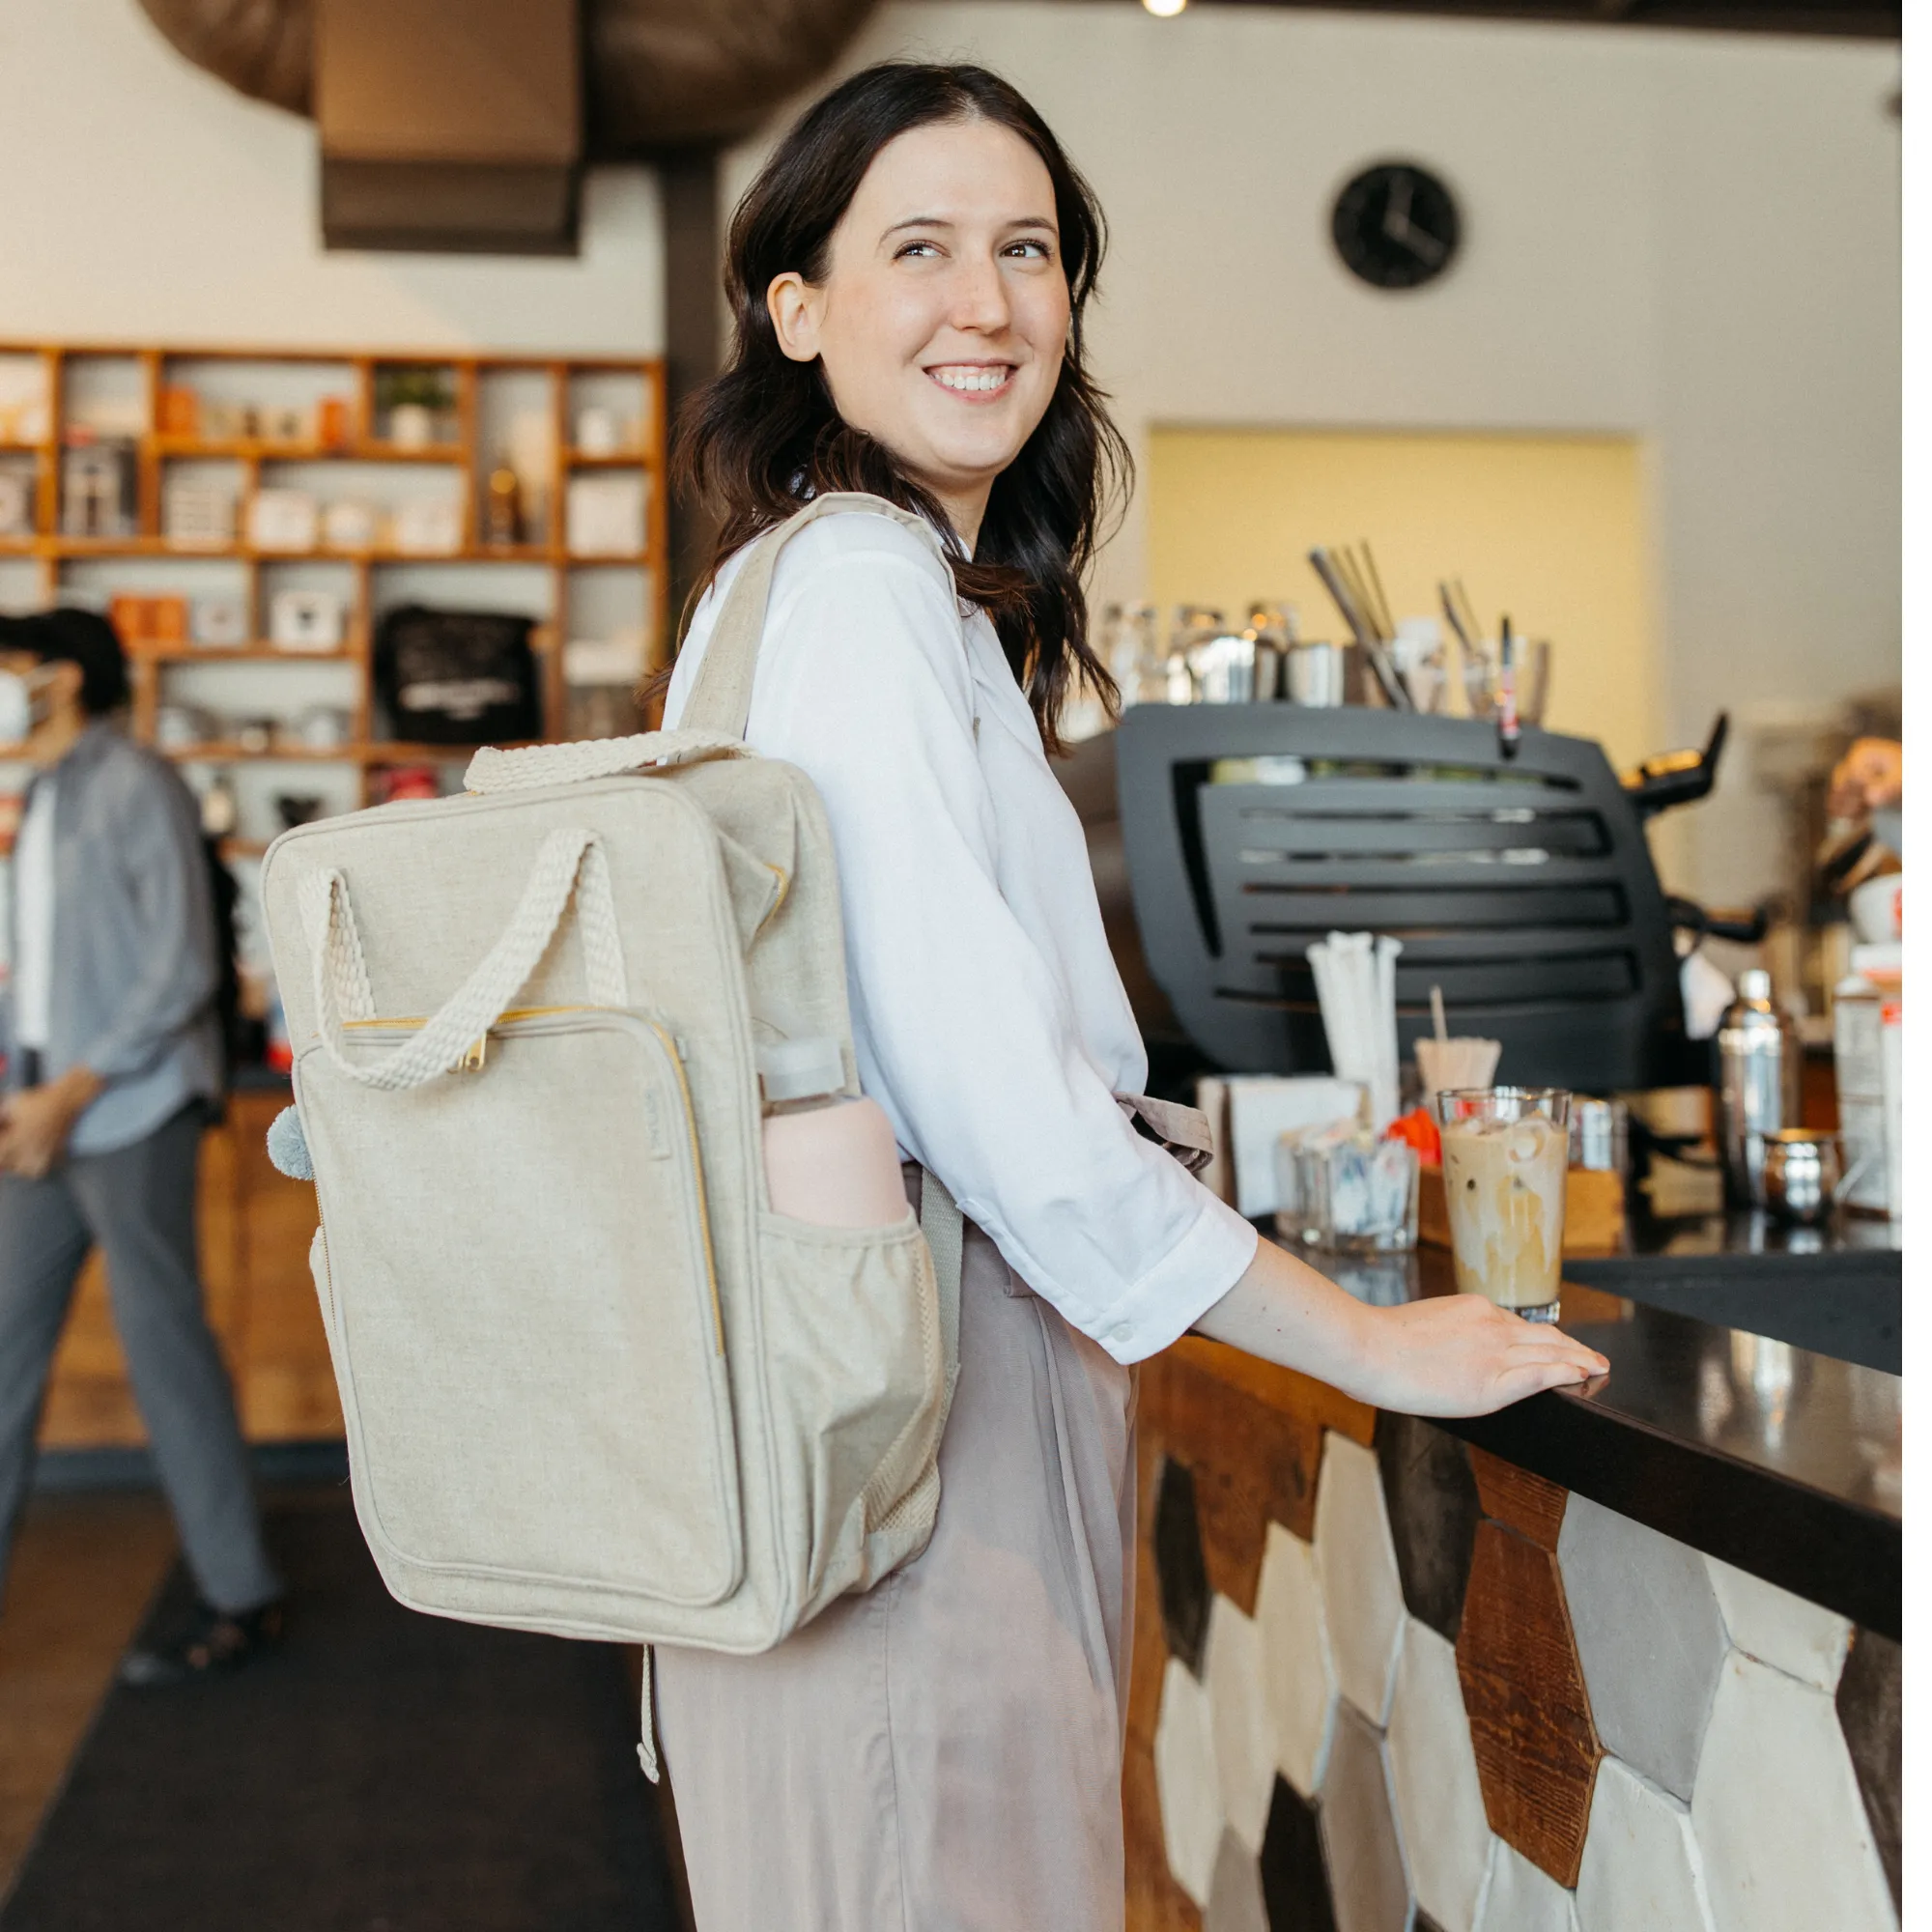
1037, 251
914, 248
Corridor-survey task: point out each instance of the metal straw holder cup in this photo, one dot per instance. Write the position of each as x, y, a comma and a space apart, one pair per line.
1800, 1172
1317, 675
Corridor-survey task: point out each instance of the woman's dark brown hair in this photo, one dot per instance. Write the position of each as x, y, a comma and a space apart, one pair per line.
764, 437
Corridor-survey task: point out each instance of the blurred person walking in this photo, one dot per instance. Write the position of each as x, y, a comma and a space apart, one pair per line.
114, 1069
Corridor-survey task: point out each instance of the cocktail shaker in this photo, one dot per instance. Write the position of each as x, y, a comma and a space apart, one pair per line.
1758, 1073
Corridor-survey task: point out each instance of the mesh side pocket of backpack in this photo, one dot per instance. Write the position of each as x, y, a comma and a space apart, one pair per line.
857, 1368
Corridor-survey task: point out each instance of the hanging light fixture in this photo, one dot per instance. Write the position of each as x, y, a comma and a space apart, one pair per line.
1164, 10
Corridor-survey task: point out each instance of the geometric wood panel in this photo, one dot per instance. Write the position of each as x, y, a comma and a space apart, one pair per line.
1286, 1390
1512, 1690
1870, 1705
1529, 1713
1252, 1464
1295, 1875
1184, 1594
1531, 1505
1433, 1509
1155, 1902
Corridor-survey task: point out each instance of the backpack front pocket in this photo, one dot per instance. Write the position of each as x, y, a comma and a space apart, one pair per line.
532, 1393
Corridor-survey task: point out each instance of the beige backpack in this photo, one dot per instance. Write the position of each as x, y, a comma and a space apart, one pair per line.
591, 1384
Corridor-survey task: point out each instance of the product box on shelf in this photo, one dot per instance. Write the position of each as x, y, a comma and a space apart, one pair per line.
283, 520
197, 515
604, 516
305, 620
144, 621
219, 620
17, 501
178, 411
99, 497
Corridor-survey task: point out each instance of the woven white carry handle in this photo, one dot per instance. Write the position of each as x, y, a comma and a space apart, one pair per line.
570, 864
530, 766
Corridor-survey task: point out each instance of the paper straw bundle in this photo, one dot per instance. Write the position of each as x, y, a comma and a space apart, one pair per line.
1449, 1065
1354, 980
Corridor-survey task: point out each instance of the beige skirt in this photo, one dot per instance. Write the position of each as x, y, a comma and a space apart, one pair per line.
941, 1753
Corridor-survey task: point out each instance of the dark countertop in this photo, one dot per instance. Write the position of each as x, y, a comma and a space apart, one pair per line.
1782, 1460
1835, 1292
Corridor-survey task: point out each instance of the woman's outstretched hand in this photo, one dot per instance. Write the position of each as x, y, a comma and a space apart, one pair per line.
1458, 1355
1448, 1355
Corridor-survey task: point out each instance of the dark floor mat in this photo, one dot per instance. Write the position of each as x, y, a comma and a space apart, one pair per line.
381, 1772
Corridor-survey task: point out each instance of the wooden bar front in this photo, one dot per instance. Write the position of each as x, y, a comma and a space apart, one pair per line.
1383, 1680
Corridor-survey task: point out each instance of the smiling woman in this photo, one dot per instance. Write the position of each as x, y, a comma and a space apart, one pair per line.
917, 332
944, 1750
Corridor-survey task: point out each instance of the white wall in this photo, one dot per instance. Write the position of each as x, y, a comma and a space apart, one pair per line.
1688, 238
144, 199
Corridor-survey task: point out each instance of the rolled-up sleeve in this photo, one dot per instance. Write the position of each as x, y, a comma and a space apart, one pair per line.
963, 1033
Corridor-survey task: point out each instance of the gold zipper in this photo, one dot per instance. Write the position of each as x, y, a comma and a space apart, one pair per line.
697, 1167
509, 1014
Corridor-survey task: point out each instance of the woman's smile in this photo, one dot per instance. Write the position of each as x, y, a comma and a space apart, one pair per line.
974, 382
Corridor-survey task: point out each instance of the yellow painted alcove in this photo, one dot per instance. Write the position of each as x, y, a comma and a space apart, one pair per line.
1550, 529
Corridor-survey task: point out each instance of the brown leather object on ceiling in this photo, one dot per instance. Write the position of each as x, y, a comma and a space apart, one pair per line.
454, 125
659, 73
664, 72
263, 48
449, 80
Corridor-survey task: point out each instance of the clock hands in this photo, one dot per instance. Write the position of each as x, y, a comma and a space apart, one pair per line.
1423, 245
1399, 228
1395, 218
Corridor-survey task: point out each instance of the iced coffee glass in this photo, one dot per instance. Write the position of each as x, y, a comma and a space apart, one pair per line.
1505, 1154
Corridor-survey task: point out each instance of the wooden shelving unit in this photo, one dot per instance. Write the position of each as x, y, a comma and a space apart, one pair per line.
256, 1225
135, 377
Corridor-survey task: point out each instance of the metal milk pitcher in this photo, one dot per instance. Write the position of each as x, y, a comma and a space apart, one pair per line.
1758, 1073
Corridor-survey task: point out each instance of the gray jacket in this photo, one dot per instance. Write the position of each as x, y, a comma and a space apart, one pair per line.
135, 966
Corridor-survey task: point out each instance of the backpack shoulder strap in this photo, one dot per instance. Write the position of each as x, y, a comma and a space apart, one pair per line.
721, 701
720, 698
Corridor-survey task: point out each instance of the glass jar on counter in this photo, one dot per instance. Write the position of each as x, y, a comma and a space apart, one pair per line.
1348, 1192
1130, 649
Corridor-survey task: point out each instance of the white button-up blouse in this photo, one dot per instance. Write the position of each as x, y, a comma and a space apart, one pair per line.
989, 1017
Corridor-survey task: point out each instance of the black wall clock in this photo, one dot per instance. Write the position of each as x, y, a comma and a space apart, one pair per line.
1396, 226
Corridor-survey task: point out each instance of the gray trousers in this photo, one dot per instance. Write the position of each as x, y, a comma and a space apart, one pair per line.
138, 1205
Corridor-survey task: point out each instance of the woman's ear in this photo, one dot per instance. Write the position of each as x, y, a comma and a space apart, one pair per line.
796, 309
